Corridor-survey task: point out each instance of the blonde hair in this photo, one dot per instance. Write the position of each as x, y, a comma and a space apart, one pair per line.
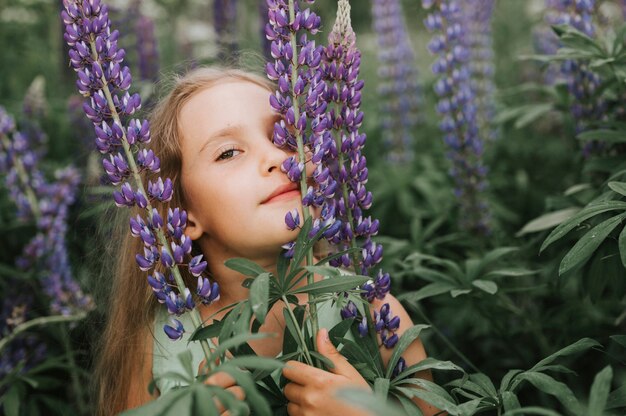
132, 305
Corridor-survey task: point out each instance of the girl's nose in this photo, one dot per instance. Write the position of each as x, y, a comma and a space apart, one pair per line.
273, 156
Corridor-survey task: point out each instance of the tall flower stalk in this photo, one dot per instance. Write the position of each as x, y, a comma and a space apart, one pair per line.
225, 24
458, 110
147, 48
104, 81
398, 87
581, 80
479, 14
298, 100
344, 166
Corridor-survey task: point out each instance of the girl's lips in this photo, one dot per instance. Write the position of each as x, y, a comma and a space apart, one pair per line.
284, 196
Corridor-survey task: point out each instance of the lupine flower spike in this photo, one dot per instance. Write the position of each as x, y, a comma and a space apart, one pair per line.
47, 204
399, 91
344, 168
225, 24
104, 81
458, 111
581, 80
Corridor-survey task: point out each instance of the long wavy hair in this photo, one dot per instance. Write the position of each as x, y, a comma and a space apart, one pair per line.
131, 304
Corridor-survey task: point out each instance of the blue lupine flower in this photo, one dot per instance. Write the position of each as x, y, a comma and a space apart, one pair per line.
458, 110
225, 24
174, 331
104, 80
398, 87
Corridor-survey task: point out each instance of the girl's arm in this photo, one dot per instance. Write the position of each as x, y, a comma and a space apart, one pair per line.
413, 354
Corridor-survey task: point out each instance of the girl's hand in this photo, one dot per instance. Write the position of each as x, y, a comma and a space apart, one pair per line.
225, 381
311, 390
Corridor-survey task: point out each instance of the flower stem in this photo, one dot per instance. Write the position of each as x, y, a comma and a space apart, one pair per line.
302, 158
299, 330
43, 320
195, 316
76, 383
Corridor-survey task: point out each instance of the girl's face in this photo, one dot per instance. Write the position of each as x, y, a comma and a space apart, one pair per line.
236, 195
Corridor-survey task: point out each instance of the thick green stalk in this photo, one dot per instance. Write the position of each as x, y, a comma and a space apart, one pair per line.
302, 158
195, 315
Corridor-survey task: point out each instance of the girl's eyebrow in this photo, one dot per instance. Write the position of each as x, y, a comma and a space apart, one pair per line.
228, 131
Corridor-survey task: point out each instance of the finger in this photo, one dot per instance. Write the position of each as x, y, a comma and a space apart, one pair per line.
294, 392
203, 369
294, 409
328, 350
221, 379
302, 373
235, 391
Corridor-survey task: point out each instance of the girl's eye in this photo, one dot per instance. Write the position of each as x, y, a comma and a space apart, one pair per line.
227, 154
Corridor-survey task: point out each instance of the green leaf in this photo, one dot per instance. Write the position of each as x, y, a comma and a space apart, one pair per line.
427, 363
211, 331
620, 339
531, 410
547, 221
340, 330
486, 286
324, 270
600, 392
366, 400
244, 266
589, 211
609, 136
510, 272
485, 383
584, 248
621, 242
433, 398
428, 291
405, 340
381, 387
505, 384
619, 187
549, 385
11, 401
617, 398
251, 362
243, 379
259, 296
579, 346
332, 285
459, 292
509, 401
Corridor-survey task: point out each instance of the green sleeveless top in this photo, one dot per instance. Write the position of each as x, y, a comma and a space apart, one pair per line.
165, 350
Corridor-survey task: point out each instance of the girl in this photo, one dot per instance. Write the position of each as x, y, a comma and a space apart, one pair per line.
213, 134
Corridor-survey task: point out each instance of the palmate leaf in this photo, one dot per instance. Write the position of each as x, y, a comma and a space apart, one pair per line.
589, 211
584, 248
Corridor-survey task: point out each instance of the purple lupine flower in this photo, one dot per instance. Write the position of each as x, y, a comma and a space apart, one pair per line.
299, 96
47, 204
398, 88
582, 82
147, 48
104, 81
458, 110
399, 368
225, 24
25, 351
174, 331
478, 15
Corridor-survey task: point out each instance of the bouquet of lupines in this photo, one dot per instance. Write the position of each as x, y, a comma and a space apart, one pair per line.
318, 95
